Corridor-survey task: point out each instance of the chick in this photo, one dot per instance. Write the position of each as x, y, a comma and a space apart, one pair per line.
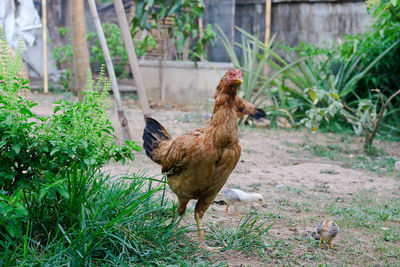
327, 231
262, 123
236, 197
283, 123
396, 167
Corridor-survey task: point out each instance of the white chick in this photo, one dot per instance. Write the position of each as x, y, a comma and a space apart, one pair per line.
327, 231
396, 167
236, 197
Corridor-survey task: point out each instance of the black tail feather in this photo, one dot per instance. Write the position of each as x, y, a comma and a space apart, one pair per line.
259, 114
153, 133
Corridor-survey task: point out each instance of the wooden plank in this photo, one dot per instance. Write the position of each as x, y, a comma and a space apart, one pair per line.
126, 35
121, 114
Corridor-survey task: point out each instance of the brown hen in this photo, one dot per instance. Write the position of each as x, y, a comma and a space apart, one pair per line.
244, 107
198, 163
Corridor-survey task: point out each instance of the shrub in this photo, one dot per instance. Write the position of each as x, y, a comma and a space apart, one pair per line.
317, 83
57, 208
37, 153
118, 53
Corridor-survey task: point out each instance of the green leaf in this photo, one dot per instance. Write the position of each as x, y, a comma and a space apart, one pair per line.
54, 151
16, 148
313, 96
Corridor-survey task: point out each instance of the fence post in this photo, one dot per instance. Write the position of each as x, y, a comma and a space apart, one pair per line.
114, 85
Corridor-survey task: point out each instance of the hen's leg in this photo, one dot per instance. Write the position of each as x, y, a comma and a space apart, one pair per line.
237, 212
394, 173
226, 209
182, 202
201, 207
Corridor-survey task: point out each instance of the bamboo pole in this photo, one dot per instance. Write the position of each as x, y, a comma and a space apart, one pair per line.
114, 85
267, 21
44, 33
267, 29
163, 65
233, 23
201, 34
126, 36
160, 61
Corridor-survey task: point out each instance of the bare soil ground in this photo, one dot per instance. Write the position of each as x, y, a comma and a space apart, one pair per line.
298, 196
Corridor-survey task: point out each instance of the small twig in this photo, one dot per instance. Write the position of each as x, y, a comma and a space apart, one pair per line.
394, 95
302, 161
381, 115
355, 118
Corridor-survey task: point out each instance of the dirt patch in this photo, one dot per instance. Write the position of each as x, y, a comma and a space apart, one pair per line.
297, 195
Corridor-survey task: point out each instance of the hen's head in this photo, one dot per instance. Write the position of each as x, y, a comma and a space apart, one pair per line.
233, 78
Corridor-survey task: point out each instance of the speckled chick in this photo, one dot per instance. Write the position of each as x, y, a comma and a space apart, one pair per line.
327, 231
236, 197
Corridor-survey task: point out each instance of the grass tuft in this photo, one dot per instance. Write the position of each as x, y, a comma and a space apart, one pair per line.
247, 237
119, 223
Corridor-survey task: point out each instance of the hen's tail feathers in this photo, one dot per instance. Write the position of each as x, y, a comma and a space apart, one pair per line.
153, 134
258, 114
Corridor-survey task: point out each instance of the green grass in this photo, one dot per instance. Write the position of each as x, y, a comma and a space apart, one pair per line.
328, 171
247, 237
254, 187
380, 163
294, 251
122, 222
321, 188
370, 233
302, 206
376, 220
292, 189
366, 212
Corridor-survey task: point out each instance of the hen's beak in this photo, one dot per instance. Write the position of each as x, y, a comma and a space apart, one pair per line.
237, 82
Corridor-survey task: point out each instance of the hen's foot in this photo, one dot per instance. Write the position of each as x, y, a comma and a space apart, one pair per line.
238, 214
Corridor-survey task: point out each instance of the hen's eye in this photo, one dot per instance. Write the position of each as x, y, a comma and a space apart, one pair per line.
230, 74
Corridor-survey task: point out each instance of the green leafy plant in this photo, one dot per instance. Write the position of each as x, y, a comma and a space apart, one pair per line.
383, 33
325, 106
118, 53
63, 55
183, 28
56, 207
367, 119
37, 152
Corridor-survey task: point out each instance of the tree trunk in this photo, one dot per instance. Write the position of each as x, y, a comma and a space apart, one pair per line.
81, 53
66, 19
53, 22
